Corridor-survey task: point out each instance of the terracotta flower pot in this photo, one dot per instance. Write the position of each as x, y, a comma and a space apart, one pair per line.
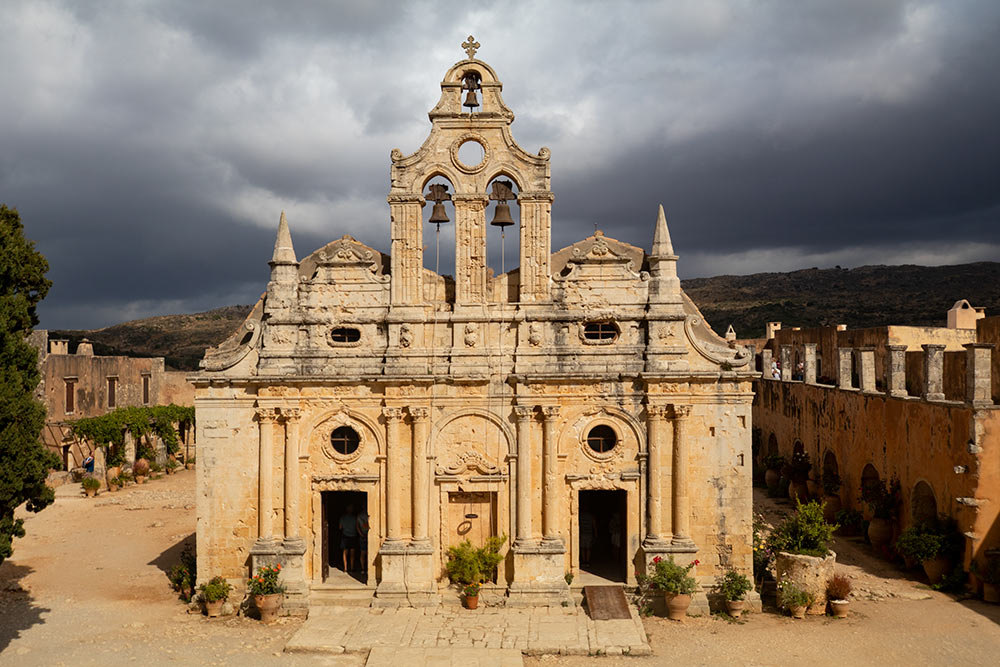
735, 607
880, 532
268, 606
839, 608
831, 505
677, 605
471, 601
772, 478
936, 568
214, 609
798, 612
140, 479
990, 593
799, 490
91, 492
189, 466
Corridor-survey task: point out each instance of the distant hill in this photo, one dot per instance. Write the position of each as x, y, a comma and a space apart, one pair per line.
862, 297
867, 296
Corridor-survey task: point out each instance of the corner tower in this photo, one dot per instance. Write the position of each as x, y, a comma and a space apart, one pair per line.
454, 122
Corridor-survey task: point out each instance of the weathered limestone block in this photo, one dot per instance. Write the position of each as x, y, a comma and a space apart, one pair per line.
844, 368
810, 573
978, 390
933, 372
895, 370
866, 368
786, 362
809, 358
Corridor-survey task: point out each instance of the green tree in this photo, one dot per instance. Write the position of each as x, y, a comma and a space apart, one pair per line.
24, 462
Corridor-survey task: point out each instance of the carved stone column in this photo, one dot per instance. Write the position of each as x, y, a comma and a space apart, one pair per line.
266, 418
844, 367
550, 484
895, 370
978, 387
682, 507
421, 511
866, 368
536, 226
407, 249
523, 415
655, 535
809, 359
786, 363
470, 248
933, 372
766, 357
292, 536
393, 524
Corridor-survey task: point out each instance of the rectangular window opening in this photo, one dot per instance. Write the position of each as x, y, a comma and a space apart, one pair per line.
70, 396
145, 390
112, 392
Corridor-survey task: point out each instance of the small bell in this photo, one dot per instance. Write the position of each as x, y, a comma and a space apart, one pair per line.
501, 217
471, 101
438, 214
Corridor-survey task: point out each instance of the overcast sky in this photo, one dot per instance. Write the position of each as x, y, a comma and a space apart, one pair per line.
150, 146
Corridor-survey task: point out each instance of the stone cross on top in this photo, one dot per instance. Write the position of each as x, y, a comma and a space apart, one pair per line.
471, 46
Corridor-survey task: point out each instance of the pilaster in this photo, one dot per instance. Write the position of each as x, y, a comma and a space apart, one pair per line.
470, 248
895, 370
978, 387
809, 359
407, 249
866, 369
933, 372
844, 367
786, 363
536, 245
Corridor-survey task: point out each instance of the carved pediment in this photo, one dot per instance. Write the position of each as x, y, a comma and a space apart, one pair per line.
468, 461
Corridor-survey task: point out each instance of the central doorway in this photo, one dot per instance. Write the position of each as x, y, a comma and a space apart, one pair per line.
345, 540
602, 522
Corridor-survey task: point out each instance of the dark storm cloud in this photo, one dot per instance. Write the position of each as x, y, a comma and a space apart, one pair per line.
151, 147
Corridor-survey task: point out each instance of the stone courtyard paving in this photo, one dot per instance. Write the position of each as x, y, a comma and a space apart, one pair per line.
543, 630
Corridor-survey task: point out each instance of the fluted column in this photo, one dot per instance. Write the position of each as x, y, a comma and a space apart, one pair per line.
292, 416
421, 426
470, 248
682, 507
523, 415
654, 479
393, 527
550, 518
266, 418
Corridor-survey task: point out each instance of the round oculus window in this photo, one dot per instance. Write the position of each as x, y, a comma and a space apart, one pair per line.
345, 440
602, 438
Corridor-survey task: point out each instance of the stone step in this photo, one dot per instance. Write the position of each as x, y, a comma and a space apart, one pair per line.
341, 596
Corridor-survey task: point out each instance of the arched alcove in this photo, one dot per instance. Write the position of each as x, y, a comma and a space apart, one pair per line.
798, 448
830, 464
923, 505
439, 238
772, 445
503, 238
869, 477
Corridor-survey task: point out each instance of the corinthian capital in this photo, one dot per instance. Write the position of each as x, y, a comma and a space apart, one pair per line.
419, 414
392, 414
266, 415
550, 411
681, 411
523, 412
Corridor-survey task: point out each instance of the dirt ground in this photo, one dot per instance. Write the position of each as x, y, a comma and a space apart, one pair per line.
87, 586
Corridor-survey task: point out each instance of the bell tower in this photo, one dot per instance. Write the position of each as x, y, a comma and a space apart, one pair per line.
470, 110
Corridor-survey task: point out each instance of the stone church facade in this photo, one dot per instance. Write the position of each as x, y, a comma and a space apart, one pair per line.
582, 387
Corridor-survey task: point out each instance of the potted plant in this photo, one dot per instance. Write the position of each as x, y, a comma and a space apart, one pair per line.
189, 463
734, 587
154, 470
773, 463
832, 505
676, 584
214, 595
796, 600
799, 474
850, 522
883, 500
803, 557
469, 566
172, 466
267, 591
90, 486
930, 544
471, 595
837, 591
115, 483
140, 470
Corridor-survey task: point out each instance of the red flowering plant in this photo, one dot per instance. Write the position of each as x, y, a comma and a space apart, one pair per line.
265, 582
667, 576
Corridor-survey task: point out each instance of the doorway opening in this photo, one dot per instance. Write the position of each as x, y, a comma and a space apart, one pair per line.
602, 524
345, 536
472, 516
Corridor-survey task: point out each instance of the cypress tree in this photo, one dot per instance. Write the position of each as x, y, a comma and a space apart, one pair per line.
24, 461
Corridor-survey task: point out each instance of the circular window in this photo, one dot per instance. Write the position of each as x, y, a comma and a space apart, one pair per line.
471, 153
602, 438
345, 440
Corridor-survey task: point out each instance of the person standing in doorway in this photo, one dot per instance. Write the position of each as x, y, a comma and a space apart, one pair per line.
363, 526
349, 538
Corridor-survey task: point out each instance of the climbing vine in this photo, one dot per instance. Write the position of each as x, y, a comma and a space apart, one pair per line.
109, 430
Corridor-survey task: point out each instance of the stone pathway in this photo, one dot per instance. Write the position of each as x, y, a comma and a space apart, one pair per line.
444, 657
538, 631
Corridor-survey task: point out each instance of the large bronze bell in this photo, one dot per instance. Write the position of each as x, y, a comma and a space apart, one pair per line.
438, 214
471, 100
501, 217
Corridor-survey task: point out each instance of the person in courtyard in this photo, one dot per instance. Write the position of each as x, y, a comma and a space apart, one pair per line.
363, 523
349, 538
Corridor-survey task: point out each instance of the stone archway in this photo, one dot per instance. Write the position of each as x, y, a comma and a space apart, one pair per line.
923, 505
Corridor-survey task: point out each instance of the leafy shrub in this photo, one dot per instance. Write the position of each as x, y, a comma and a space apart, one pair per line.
852, 521
734, 586
471, 565
90, 483
790, 595
216, 589
800, 466
183, 575
265, 582
140, 468
155, 467
774, 462
831, 483
762, 554
882, 497
667, 576
569, 578
839, 587
805, 532
930, 539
